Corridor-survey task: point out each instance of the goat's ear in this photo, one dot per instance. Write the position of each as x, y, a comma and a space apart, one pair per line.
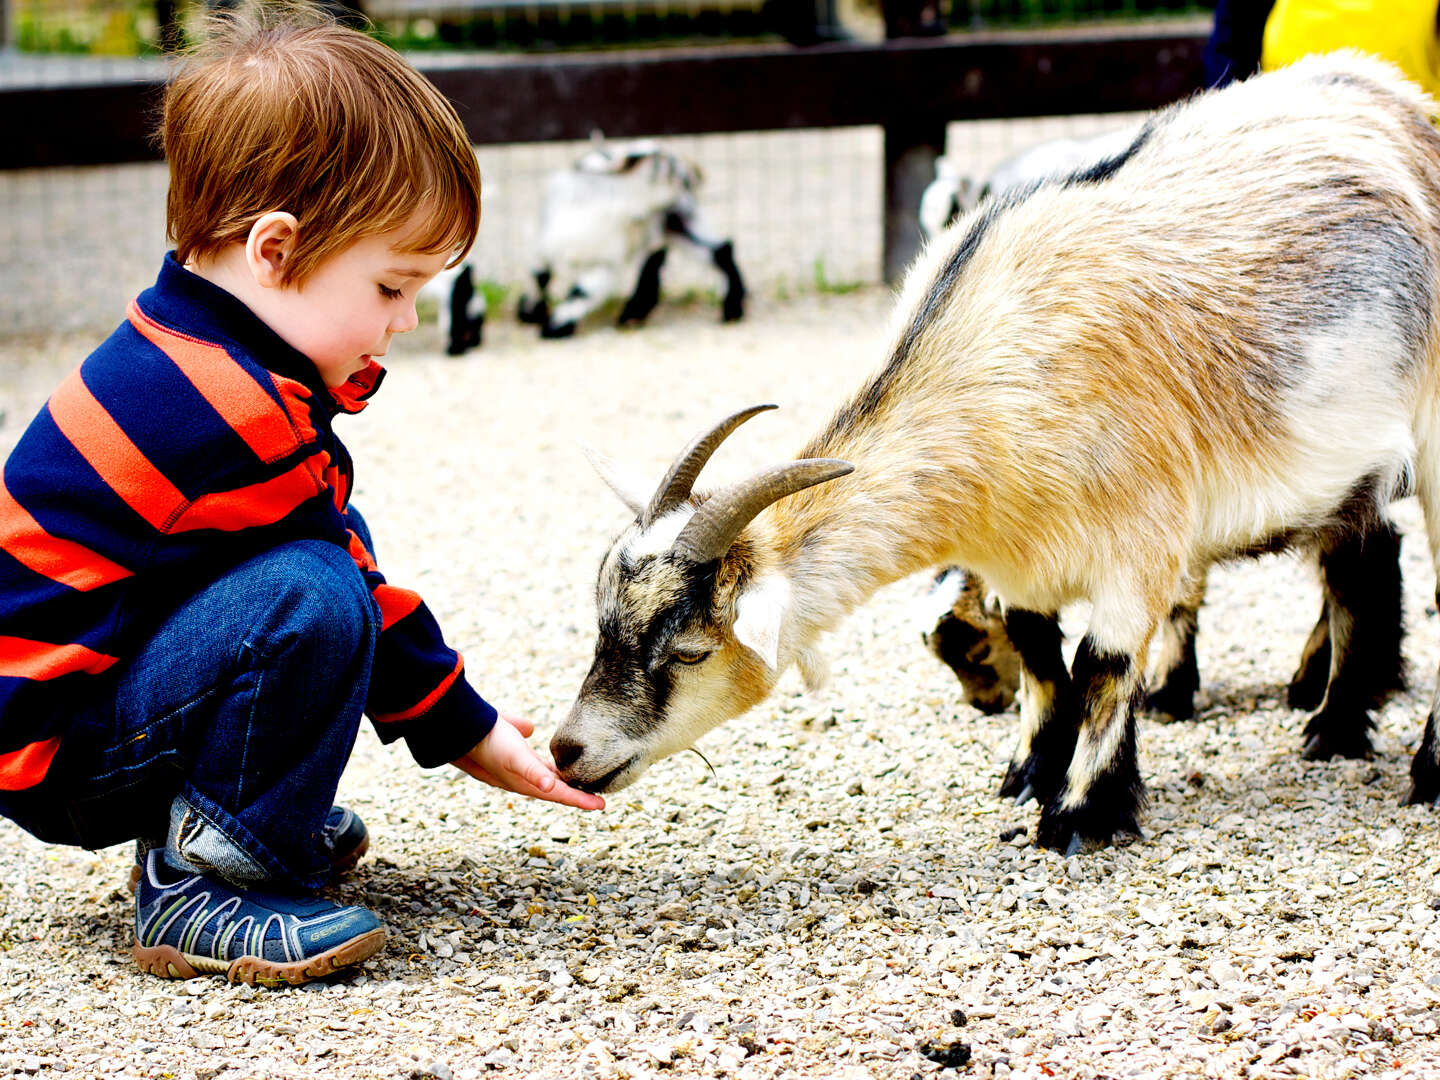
759, 613
629, 488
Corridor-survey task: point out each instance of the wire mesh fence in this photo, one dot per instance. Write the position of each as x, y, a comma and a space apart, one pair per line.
804, 208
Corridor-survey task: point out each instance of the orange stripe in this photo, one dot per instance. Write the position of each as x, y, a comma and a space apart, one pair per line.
22, 658
256, 504
429, 700
26, 767
363, 559
296, 397
253, 414
395, 604
109, 451
59, 560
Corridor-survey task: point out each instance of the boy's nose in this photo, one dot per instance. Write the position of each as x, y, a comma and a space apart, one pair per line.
406, 321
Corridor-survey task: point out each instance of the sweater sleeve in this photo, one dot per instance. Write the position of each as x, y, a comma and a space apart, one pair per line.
418, 688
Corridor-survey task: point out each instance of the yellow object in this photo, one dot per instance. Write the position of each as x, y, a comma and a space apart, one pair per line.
1401, 31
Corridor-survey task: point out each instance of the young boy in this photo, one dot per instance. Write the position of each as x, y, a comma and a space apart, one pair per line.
191, 620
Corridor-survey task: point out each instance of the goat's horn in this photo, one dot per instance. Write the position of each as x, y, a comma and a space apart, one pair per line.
720, 519
675, 488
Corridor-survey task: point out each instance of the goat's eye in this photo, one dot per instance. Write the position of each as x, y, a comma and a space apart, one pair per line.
689, 656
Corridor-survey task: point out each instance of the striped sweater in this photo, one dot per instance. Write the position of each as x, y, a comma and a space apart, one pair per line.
192, 438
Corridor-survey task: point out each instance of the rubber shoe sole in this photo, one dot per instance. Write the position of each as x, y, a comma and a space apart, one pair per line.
170, 963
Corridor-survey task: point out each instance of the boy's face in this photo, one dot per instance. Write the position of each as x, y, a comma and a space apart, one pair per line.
346, 311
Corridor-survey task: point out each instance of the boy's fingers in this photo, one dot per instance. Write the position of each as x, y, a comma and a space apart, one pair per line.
556, 790
563, 793
520, 724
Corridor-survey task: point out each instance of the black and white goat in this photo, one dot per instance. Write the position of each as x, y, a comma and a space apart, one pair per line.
610, 220
461, 305
1223, 338
952, 193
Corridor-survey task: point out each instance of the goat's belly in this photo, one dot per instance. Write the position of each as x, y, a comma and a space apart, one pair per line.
1239, 518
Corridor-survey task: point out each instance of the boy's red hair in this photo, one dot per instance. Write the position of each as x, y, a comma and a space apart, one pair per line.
281, 108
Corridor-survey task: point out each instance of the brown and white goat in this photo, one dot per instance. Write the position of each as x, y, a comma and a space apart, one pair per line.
1222, 339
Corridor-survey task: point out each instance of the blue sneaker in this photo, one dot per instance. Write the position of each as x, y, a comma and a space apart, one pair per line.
188, 924
345, 838
344, 835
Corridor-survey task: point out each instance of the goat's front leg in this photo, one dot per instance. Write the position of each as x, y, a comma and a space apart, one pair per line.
1103, 794
684, 220
593, 286
1048, 709
647, 289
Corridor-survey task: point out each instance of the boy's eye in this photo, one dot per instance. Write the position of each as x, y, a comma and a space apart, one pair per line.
389, 293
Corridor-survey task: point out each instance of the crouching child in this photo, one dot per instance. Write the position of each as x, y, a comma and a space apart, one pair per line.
191, 617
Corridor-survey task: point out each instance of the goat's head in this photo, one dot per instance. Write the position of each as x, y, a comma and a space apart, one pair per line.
690, 619
966, 631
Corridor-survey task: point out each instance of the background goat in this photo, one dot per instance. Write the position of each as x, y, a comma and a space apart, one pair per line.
1222, 339
616, 209
461, 307
952, 193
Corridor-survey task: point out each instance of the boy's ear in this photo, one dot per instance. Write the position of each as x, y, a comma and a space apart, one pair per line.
759, 611
269, 244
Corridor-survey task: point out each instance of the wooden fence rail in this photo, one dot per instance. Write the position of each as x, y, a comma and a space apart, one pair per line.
910, 87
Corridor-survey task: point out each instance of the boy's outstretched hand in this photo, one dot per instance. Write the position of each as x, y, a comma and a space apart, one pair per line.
504, 759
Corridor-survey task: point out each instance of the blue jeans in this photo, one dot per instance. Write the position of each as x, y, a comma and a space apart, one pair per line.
241, 710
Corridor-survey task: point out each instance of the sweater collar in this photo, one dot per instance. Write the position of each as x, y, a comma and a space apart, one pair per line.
189, 304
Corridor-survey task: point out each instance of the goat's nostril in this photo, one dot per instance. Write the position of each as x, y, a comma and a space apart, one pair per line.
565, 753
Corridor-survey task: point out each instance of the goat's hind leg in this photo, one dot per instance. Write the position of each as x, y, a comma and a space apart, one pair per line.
1306, 689
1363, 603
1177, 669
686, 223
1048, 710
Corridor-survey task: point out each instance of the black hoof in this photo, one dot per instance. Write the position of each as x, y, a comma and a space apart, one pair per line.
1330, 736
555, 332
1072, 832
732, 312
1014, 781
1417, 797
1424, 785
1171, 705
1028, 781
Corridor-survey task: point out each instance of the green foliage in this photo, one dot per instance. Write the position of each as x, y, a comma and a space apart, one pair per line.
495, 293
125, 28
824, 285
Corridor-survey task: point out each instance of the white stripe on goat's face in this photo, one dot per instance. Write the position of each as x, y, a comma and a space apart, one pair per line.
667, 665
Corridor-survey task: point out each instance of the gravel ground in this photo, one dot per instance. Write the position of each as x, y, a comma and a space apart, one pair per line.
845, 896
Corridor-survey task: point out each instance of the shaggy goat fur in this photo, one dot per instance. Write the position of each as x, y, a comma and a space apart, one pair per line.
1222, 339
